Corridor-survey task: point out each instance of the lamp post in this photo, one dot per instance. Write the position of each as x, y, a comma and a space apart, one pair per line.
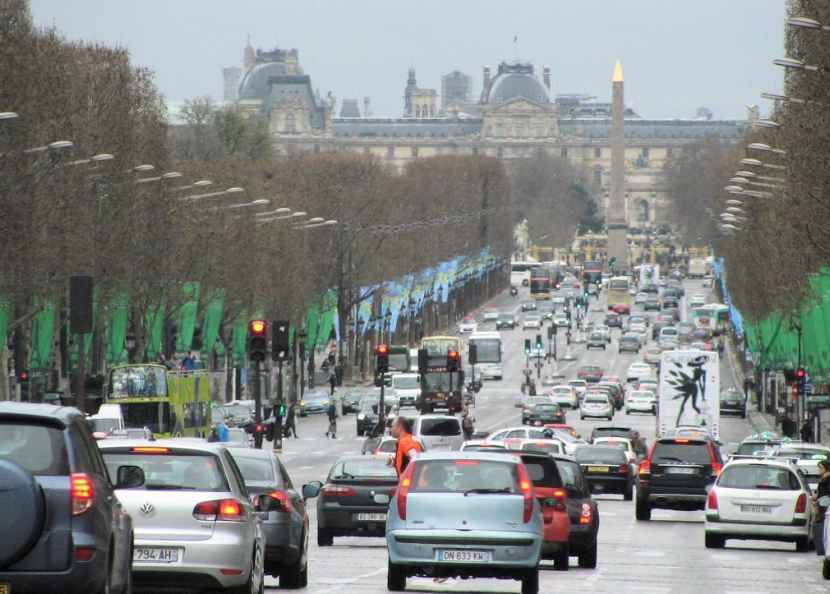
411, 323
437, 307
387, 323
361, 349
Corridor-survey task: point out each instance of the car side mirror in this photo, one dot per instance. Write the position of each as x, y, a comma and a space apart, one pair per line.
381, 498
261, 503
312, 489
129, 477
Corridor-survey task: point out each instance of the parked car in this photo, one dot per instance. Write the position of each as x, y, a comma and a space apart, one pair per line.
283, 512
607, 470
70, 533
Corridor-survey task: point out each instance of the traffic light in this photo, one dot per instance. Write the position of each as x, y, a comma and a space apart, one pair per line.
23, 382
538, 341
472, 353
279, 340
257, 340
453, 360
551, 330
382, 359
527, 346
801, 378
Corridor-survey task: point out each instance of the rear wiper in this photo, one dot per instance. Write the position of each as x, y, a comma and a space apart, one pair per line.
486, 491
168, 488
667, 459
769, 487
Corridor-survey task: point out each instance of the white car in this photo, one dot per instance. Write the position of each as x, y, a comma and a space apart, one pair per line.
531, 321
406, 388
561, 320
570, 442
653, 355
467, 325
579, 386
596, 405
640, 401
564, 395
640, 298
547, 446
697, 300
638, 371
512, 437
622, 443
806, 457
491, 315
759, 499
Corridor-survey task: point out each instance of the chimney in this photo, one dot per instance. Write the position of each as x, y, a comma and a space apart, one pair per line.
485, 92
366, 111
546, 77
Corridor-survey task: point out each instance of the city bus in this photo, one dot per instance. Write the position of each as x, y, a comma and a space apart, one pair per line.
168, 403
712, 316
520, 272
619, 294
400, 361
592, 272
541, 283
489, 353
439, 387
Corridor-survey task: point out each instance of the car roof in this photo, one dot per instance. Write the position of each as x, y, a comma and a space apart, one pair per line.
263, 454
458, 455
63, 414
436, 416
178, 444
766, 461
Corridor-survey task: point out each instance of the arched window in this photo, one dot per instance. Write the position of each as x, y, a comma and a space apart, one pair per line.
291, 123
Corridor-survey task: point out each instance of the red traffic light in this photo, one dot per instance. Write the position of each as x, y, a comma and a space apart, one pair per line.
801, 373
382, 349
257, 327
452, 354
24, 376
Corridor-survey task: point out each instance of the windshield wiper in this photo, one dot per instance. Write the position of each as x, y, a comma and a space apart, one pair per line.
168, 488
486, 491
667, 459
770, 487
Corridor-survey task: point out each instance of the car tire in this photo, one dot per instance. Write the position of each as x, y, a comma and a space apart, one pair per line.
588, 557
360, 433
294, 576
628, 494
628, 412
562, 560
530, 581
825, 569
395, 578
802, 545
581, 417
250, 587
324, 538
714, 541
642, 510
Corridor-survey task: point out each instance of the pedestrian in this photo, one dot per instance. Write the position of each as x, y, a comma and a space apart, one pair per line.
407, 447
332, 413
807, 431
821, 501
788, 426
467, 423
188, 362
332, 381
290, 421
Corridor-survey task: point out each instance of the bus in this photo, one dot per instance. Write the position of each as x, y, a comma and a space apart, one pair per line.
541, 283
592, 272
619, 295
520, 272
168, 403
489, 353
400, 361
711, 316
439, 387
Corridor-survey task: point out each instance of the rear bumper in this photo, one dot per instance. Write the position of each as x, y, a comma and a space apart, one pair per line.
582, 537
749, 530
340, 521
509, 550
79, 577
641, 407
282, 544
673, 498
607, 484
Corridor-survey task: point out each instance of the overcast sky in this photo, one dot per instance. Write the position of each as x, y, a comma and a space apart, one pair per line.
677, 55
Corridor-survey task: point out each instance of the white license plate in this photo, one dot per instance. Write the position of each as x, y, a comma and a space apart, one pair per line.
675, 470
455, 556
156, 555
370, 517
757, 509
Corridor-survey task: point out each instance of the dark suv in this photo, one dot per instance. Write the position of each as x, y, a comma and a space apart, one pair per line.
68, 532
582, 511
676, 474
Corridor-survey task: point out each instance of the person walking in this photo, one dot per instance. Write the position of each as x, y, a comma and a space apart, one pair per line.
821, 501
467, 423
332, 413
407, 447
332, 380
291, 421
807, 431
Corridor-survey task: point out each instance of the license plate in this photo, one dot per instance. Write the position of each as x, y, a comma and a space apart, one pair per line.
5, 589
598, 469
455, 556
370, 517
156, 555
757, 509
676, 470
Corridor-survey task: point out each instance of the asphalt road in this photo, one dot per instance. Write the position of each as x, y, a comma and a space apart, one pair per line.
665, 555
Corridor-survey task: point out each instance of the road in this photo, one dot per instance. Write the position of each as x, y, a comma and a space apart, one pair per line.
665, 555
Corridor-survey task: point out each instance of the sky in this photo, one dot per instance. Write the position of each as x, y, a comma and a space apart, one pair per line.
677, 55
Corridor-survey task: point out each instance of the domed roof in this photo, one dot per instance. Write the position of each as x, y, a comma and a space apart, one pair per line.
510, 85
255, 83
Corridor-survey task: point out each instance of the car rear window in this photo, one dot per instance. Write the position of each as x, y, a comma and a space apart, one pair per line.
255, 470
804, 454
38, 448
604, 455
543, 472
754, 447
370, 468
459, 476
548, 447
693, 453
596, 399
436, 427
191, 471
759, 476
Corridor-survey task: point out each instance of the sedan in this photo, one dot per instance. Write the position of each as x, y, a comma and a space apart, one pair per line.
614, 320
529, 306
283, 513
561, 320
355, 497
607, 470
596, 405
589, 373
596, 341
564, 395
653, 355
629, 343
641, 401
491, 315
532, 321
638, 371
541, 413
652, 303
640, 298
506, 321
467, 325
314, 402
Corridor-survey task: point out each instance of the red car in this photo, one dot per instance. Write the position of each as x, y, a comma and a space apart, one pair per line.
589, 373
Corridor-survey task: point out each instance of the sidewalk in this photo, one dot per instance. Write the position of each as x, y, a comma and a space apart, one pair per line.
759, 421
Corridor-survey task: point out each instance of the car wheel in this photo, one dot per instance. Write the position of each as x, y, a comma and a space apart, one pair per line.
324, 538
588, 557
360, 432
628, 494
628, 412
714, 541
395, 578
581, 417
562, 560
530, 582
642, 510
802, 545
825, 569
256, 577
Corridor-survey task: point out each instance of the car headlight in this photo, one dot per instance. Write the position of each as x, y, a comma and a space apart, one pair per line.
361, 416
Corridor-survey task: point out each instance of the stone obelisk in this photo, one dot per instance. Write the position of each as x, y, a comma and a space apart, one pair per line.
615, 217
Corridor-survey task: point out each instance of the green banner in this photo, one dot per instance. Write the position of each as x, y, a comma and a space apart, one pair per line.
117, 329
43, 333
214, 311
4, 320
154, 326
186, 317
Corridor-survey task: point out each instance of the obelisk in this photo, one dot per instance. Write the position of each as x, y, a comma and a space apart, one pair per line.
615, 218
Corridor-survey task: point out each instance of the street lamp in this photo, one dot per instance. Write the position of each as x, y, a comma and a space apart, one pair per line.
258, 202
734, 202
782, 98
766, 124
143, 168
7, 116
806, 23
101, 158
745, 174
738, 180
759, 146
754, 162
733, 188
794, 64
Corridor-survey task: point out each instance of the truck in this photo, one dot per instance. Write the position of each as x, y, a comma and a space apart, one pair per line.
688, 394
440, 388
697, 268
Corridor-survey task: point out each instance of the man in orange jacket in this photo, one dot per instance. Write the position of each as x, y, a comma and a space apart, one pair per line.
408, 447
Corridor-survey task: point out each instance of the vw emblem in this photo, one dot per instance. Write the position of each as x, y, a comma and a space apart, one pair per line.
147, 509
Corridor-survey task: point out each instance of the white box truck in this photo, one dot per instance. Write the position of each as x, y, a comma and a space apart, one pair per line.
697, 268
689, 391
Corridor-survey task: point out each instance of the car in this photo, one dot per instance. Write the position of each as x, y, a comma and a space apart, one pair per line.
629, 343
439, 488
548, 446
732, 402
676, 474
697, 300
406, 388
639, 328
613, 320
640, 298
652, 303
670, 302
66, 531
283, 512
759, 500
528, 306
639, 319
614, 431
685, 331
596, 405
579, 385
532, 321
348, 504
592, 289
506, 321
638, 371
540, 413
379, 445
806, 457
623, 443
546, 309
607, 470
438, 432
596, 340
367, 417
512, 437
351, 399
467, 325
589, 373
661, 320
236, 412
482, 445
651, 289
653, 355
315, 402
561, 320
640, 401
491, 315
582, 511
564, 395
194, 522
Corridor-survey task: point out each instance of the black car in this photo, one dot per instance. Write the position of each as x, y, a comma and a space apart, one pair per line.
676, 475
352, 501
367, 417
283, 512
733, 402
582, 511
69, 532
506, 321
542, 413
670, 302
352, 398
529, 306
607, 470
613, 320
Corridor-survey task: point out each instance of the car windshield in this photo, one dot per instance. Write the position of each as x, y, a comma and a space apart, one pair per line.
406, 382
602, 455
440, 426
672, 452
165, 470
39, 449
543, 446
365, 467
596, 400
464, 476
758, 476
255, 470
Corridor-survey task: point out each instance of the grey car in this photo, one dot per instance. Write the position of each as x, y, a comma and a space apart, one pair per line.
596, 405
438, 432
596, 341
464, 514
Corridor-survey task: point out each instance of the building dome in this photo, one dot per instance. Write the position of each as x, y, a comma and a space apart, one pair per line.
517, 80
254, 85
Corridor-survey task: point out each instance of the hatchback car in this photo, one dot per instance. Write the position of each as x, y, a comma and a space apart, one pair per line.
596, 405
607, 470
564, 395
806, 457
532, 321
732, 402
529, 306
283, 512
653, 355
759, 500
547, 446
582, 511
347, 505
467, 325
438, 432
614, 320
596, 340
512, 437
195, 526
405, 389
652, 303
314, 402
506, 321
540, 413
561, 320
629, 343
640, 401
65, 531
469, 514
589, 373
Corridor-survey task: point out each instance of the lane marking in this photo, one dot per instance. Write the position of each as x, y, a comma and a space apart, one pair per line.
349, 581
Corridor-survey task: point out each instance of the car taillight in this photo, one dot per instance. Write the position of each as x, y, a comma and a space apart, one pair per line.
586, 515
716, 468
219, 510
801, 504
282, 498
645, 466
403, 490
526, 487
712, 500
82, 493
623, 469
561, 498
330, 490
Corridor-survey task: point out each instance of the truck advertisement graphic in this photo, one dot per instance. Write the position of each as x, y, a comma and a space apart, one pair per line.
689, 391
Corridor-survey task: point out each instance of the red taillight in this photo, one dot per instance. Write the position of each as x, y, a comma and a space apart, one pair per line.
84, 553
623, 468
801, 504
82, 493
712, 500
561, 498
586, 515
149, 450
716, 468
283, 499
645, 466
403, 490
330, 490
221, 510
526, 487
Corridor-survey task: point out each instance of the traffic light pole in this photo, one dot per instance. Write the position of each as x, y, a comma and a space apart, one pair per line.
278, 410
257, 406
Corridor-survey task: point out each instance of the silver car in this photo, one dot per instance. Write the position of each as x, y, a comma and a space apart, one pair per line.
596, 405
194, 524
465, 514
438, 432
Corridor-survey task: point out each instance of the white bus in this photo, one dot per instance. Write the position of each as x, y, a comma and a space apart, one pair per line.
520, 272
489, 353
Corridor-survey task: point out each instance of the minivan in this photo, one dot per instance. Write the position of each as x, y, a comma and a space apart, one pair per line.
438, 432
